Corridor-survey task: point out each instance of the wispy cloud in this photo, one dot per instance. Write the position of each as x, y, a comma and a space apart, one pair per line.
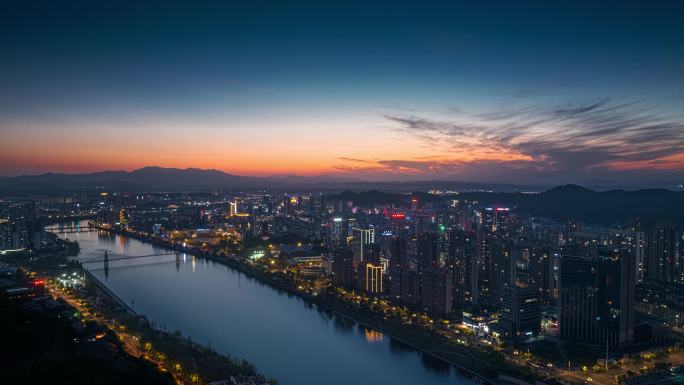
576, 140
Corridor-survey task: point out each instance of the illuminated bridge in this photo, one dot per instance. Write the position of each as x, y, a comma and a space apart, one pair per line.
106, 258
70, 229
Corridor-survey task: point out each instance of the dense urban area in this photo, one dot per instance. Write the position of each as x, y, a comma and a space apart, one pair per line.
505, 296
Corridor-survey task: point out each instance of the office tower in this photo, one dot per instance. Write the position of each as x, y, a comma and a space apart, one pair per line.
640, 252
663, 263
542, 272
484, 239
373, 279
343, 268
361, 239
428, 250
520, 314
463, 260
437, 292
338, 232
498, 256
681, 258
232, 209
616, 282
6, 235
597, 297
399, 253
578, 316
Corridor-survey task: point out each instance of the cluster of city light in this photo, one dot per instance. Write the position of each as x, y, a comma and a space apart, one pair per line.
70, 280
257, 255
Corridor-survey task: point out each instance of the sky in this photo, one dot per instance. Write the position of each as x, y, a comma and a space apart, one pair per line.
500, 91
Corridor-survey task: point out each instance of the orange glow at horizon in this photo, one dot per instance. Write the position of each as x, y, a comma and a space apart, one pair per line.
298, 147
302, 147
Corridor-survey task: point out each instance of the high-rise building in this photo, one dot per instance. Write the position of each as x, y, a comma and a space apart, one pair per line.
232, 209
681, 257
372, 254
640, 252
597, 297
463, 260
436, 292
520, 314
373, 279
542, 272
501, 269
361, 239
428, 250
616, 283
399, 253
343, 268
578, 318
6, 235
405, 287
663, 262
338, 232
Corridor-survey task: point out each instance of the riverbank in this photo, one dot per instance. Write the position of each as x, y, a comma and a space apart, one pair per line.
46, 341
479, 364
188, 361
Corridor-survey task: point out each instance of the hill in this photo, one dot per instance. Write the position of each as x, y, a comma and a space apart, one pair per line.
600, 207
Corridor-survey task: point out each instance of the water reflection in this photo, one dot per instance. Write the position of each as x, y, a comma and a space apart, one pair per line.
284, 336
373, 335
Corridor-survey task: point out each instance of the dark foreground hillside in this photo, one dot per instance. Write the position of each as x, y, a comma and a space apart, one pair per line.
44, 348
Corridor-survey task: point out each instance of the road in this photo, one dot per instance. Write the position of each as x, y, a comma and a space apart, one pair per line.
129, 342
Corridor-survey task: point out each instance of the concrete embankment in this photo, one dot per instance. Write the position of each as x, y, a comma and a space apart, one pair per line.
91, 277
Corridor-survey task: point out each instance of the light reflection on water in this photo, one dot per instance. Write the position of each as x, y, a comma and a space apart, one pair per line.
283, 336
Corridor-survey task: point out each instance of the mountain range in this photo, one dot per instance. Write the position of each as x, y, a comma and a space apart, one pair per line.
562, 203
193, 179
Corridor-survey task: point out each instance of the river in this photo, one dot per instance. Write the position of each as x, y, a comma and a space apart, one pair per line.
285, 337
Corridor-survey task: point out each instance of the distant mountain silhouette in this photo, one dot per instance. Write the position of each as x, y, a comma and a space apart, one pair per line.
605, 207
193, 179
560, 203
144, 179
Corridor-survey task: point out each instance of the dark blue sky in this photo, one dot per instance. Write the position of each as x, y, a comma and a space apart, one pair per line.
350, 69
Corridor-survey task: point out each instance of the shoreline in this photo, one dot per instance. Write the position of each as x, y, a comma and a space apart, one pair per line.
133, 320
264, 279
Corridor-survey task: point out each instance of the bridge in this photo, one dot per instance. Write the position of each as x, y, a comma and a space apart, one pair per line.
105, 259
71, 229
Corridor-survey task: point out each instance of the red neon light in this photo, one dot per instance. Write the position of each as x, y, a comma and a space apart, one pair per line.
38, 282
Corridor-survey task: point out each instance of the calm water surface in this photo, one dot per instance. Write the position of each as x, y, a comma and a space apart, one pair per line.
282, 335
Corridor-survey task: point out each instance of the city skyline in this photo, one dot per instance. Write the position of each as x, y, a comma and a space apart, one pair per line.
532, 93
271, 192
